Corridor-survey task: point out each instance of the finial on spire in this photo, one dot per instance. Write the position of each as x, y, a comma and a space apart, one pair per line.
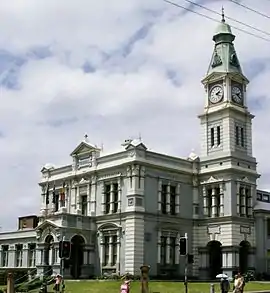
222, 14
86, 137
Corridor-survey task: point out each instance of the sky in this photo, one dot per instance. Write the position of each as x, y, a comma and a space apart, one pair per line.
114, 70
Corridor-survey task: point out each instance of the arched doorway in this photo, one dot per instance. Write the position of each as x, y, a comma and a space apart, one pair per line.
215, 258
76, 256
244, 248
48, 254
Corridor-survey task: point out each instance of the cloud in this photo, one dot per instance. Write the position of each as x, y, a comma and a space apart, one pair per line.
113, 69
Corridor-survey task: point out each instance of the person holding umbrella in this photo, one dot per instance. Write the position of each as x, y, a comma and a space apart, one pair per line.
224, 285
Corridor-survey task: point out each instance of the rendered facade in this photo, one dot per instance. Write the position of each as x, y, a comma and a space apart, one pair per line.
129, 208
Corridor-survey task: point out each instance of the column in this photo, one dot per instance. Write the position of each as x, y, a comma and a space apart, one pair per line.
238, 198
93, 191
214, 203
205, 202
110, 250
119, 195
101, 249
25, 250
57, 259
168, 249
73, 198
129, 178
88, 200
221, 194
85, 255
159, 194
50, 256
67, 190
142, 178
177, 200
243, 202
158, 246
118, 252
168, 199
111, 198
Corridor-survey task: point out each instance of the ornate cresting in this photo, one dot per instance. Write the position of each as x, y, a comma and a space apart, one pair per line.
144, 278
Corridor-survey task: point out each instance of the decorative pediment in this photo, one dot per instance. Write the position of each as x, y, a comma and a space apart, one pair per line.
47, 168
136, 145
46, 224
245, 179
108, 227
84, 148
213, 77
83, 181
212, 179
47, 228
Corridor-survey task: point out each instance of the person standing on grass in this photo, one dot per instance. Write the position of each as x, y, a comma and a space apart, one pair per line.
58, 281
242, 283
237, 284
125, 287
224, 285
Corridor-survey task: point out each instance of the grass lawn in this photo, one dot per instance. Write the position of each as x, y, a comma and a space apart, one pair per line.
154, 287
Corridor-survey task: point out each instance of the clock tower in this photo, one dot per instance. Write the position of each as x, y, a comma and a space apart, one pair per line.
227, 167
226, 121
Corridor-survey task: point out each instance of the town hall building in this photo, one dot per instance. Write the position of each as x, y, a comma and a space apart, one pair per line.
129, 208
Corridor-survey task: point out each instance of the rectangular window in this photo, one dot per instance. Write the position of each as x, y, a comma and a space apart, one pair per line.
56, 205
162, 250
84, 205
242, 137
172, 250
106, 250
18, 255
268, 227
209, 199
163, 198
259, 196
85, 160
107, 196
172, 200
218, 135
32, 255
212, 136
237, 135
115, 197
265, 197
5, 255
217, 195
114, 250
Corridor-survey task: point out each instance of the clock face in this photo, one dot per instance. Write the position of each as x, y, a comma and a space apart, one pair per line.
216, 94
237, 94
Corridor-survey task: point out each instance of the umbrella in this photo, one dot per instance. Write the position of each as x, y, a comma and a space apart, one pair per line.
219, 276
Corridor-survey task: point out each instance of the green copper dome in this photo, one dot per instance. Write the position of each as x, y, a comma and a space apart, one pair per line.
223, 32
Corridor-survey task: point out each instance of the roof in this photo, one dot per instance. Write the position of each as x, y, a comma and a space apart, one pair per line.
224, 58
260, 205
